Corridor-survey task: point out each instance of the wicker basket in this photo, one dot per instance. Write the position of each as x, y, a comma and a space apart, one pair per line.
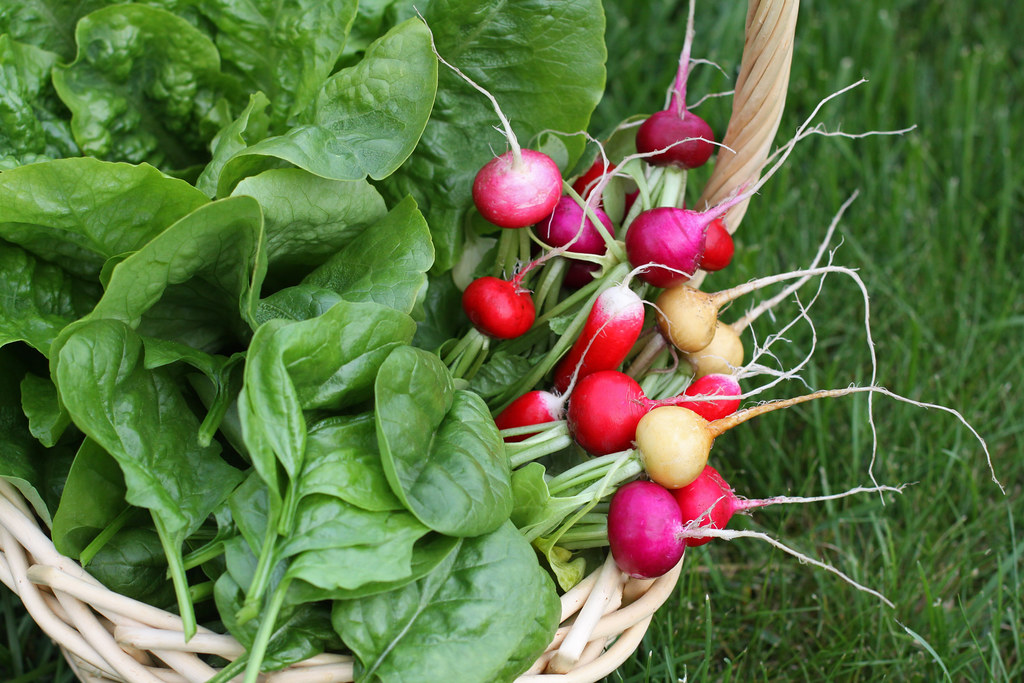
109, 637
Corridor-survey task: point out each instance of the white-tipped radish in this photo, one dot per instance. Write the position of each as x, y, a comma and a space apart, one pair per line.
609, 333
532, 408
517, 190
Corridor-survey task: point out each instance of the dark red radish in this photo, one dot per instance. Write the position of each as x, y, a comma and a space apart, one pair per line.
584, 184
579, 274
644, 523
709, 385
532, 408
686, 139
517, 190
568, 226
498, 308
604, 410
609, 333
718, 247
680, 137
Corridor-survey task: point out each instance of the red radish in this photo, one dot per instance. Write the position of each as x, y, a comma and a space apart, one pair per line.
567, 226
532, 408
644, 523
674, 443
498, 308
609, 333
579, 274
604, 410
709, 385
586, 182
718, 247
516, 191
687, 139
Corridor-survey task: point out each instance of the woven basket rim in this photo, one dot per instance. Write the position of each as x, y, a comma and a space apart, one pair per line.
106, 636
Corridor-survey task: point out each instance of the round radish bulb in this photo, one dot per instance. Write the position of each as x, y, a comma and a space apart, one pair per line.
670, 241
687, 140
674, 444
718, 247
687, 317
586, 182
604, 410
709, 500
498, 308
644, 522
532, 408
517, 195
709, 385
721, 356
579, 274
568, 225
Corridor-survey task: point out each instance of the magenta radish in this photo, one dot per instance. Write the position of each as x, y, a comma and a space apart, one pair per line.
674, 443
516, 191
609, 333
567, 226
718, 247
677, 136
532, 408
709, 385
604, 410
498, 308
644, 523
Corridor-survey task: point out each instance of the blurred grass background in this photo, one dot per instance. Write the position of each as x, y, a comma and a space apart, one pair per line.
937, 236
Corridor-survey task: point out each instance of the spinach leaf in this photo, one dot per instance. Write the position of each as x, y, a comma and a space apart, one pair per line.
47, 418
309, 218
132, 563
385, 263
49, 24
33, 123
79, 212
544, 63
246, 129
487, 611
93, 497
442, 453
38, 299
145, 87
220, 242
286, 50
366, 119
299, 302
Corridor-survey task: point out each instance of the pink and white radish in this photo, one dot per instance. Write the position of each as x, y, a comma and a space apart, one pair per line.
609, 333
499, 308
517, 188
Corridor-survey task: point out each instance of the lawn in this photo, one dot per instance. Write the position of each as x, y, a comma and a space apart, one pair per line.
936, 236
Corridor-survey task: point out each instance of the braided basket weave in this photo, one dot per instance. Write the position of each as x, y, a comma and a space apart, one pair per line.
106, 636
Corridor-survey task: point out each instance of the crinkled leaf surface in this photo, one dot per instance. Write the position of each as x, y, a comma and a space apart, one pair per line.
145, 86
442, 453
49, 24
544, 63
80, 212
365, 121
484, 614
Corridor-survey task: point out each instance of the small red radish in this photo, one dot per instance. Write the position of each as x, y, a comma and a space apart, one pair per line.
709, 385
718, 247
674, 443
604, 410
588, 181
568, 226
517, 190
644, 523
532, 408
686, 139
498, 308
609, 333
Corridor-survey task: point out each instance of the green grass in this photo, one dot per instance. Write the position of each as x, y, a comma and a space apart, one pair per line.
937, 237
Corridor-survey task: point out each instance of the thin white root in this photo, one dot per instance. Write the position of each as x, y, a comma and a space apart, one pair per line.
730, 535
